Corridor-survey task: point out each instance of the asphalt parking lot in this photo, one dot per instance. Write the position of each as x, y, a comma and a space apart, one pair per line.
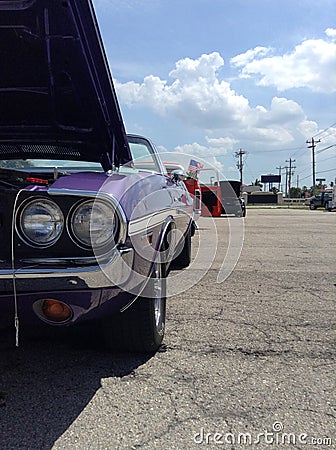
248, 362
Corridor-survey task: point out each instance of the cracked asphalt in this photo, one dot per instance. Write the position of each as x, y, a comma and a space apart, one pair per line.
247, 363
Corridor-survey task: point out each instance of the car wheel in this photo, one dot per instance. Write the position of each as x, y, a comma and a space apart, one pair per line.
141, 327
184, 257
312, 206
240, 213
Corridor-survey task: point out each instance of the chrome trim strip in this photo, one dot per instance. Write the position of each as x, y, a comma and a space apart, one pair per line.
84, 261
53, 272
145, 223
81, 260
104, 274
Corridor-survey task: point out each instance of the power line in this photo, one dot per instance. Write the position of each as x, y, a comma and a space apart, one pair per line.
277, 150
326, 159
329, 170
303, 166
325, 148
253, 175
322, 171
323, 131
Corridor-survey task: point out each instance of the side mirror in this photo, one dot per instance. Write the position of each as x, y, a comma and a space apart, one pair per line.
178, 175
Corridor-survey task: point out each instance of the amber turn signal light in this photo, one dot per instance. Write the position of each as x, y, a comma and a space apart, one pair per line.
56, 311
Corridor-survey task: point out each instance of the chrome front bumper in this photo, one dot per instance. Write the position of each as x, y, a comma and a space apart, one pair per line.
69, 274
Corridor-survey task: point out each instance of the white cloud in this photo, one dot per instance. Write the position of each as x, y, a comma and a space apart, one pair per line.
283, 113
202, 154
224, 142
311, 65
279, 125
182, 154
244, 58
198, 98
202, 151
308, 128
188, 70
331, 33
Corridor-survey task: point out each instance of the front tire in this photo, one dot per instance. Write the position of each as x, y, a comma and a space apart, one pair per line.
141, 327
183, 259
312, 206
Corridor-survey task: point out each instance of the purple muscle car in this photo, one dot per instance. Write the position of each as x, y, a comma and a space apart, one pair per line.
90, 223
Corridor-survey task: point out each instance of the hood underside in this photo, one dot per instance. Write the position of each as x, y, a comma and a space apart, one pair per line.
57, 99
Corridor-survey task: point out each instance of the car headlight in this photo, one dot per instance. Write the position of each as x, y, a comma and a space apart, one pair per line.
94, 223
41, 222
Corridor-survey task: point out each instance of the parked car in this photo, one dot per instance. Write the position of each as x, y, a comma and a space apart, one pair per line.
331, 204
89, 220
320, 200
223, 197
232, 202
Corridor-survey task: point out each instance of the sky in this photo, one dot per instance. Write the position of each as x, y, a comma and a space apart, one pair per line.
206, 78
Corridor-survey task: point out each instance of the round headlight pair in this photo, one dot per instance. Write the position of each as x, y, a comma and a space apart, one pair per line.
92, 223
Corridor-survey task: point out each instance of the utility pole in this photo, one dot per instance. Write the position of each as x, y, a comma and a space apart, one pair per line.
280, 169
290, 173
286, 185
240, 163
312, 146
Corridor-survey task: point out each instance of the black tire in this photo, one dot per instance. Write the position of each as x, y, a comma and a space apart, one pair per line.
141, 327
183, 259
312, 206
240, 213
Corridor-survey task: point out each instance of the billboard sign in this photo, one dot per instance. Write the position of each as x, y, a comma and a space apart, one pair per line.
270, 178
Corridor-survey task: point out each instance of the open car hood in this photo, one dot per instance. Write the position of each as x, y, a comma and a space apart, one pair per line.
57, 99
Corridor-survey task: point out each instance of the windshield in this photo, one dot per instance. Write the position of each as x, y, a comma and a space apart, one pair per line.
141, 150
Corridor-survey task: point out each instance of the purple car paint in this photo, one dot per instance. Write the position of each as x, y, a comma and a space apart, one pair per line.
88, 215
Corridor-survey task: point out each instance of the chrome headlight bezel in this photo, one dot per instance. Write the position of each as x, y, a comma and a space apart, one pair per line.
49, 206
88, 241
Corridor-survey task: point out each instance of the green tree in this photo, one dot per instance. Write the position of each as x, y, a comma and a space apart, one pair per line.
256, 183
295, 192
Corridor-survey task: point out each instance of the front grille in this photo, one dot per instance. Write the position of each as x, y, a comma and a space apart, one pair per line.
7, 199
42, 151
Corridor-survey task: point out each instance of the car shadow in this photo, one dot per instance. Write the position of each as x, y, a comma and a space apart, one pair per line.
49, 379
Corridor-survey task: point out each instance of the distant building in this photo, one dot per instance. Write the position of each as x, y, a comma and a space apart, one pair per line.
249, 189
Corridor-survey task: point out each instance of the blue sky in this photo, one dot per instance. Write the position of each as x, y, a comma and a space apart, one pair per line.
208, 77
